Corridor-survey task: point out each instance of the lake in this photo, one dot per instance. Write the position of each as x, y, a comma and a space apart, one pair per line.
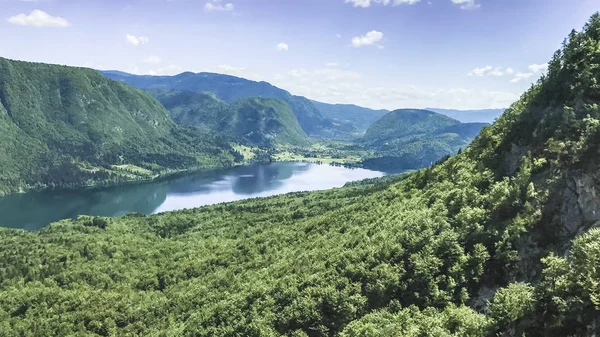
35, 210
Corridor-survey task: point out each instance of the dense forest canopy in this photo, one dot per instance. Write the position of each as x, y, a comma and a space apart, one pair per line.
494, 241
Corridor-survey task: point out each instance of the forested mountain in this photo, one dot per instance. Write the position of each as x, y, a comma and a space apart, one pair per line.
66, 126
264, 122
471, 116
200, 109
477, 245
406, 122
356, 116
411, 138
229, 89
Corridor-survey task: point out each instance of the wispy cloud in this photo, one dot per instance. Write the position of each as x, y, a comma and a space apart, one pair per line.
217, 6
368, 3
336, 85
521, 77
480, 71
171, 69
370, 38
466, 4
137, 40
533, 70
538, 67
38, 18
282, 47
152, 59
490, 71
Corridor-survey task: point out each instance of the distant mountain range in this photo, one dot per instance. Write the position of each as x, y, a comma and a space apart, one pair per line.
317, 119
471, 116
229, 89
258, 114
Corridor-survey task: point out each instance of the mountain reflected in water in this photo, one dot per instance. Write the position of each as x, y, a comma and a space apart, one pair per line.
187, 191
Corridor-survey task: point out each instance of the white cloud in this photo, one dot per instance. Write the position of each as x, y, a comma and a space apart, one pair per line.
235, 71
480, 71
367, 3
38, 18
536, 68
227, 69
152, 59
466, 4
533, 70
490, 71
282, 47
137, 40
496, 72
216, 6
521, 77
331, 64
368, 39
171, 69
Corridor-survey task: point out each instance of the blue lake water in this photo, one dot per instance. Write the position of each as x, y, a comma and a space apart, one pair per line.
35, 210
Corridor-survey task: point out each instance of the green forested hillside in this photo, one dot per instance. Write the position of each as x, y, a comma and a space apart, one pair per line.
406, 122
264, 122
229, 89
356, 116
192, 109
496, 241
66, 126
256, 121
410, 138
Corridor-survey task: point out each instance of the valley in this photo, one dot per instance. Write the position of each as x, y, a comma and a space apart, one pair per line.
85, 130
204, 204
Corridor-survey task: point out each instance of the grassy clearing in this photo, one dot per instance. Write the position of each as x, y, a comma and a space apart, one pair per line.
248, 152
133, 169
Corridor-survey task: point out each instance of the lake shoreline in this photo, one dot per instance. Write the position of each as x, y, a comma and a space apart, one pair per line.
177, 190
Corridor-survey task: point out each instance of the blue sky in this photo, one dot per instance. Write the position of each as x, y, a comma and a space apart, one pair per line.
462, 54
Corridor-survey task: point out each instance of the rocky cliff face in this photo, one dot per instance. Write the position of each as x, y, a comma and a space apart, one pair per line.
580, 209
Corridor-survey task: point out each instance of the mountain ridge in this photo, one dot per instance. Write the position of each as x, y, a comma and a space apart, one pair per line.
230, 88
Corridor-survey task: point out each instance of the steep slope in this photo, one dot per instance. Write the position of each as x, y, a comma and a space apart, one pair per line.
356, 116
192, 109
67, 126
419, 255
471, 116
262, 122
229, 89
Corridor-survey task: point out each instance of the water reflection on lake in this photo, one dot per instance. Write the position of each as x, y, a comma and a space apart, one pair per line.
37, 209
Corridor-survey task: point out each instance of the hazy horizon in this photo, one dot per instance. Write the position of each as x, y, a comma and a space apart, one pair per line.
380, 54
